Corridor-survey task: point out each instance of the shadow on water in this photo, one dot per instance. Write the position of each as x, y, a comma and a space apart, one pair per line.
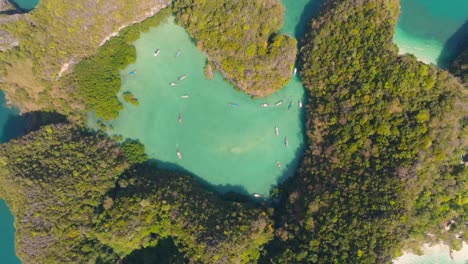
454, 46
19, 125
310, 10
222, 188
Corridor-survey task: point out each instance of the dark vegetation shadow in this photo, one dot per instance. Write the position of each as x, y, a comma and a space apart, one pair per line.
10, 12
226, 190
19, 125
454, 46
165, 252
310, 10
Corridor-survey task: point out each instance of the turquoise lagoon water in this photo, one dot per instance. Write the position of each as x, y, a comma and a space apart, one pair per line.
7, 236
232, 148
25, 5
432, 30
10, 126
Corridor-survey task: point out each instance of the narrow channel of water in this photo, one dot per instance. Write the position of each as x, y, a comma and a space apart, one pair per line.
10, 127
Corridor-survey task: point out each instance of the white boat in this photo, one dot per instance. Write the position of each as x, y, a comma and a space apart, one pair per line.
264, 105
280, 102
257, 195
286, 142
180, 118
278, 164
182, 77
276, 131
184, 96
299, 102
173, 84
156, 52
295, 71
178, 53
179, 156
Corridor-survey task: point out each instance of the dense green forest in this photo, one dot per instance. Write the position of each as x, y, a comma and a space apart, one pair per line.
53, 180
77, 199
240, 39
150, 205
384, 137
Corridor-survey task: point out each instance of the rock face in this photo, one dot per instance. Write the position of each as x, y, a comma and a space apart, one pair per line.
7, 41
8, 13
6, 6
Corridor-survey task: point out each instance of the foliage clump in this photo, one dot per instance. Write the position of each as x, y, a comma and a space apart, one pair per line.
383, 132
240, 38
130, 98
134, 151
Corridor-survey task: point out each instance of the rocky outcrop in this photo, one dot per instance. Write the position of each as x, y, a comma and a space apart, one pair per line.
7, 41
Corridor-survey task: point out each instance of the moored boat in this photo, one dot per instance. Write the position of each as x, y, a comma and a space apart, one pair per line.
233, 104
182, 77
184, 96
132, 72
179, 155
290, 105
156, 52
178, 53
276, 130
264, 105
286, 142
295, 71
299, 102
180, 118
173, 84
278, 164
280, 102
257, 195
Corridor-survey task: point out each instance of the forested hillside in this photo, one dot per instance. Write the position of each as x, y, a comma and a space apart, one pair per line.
240, 38
384, 136
75, 200
53, 180
150, 205
55, 36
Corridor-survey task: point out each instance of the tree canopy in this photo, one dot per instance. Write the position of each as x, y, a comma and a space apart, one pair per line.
383, 132
240, 38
